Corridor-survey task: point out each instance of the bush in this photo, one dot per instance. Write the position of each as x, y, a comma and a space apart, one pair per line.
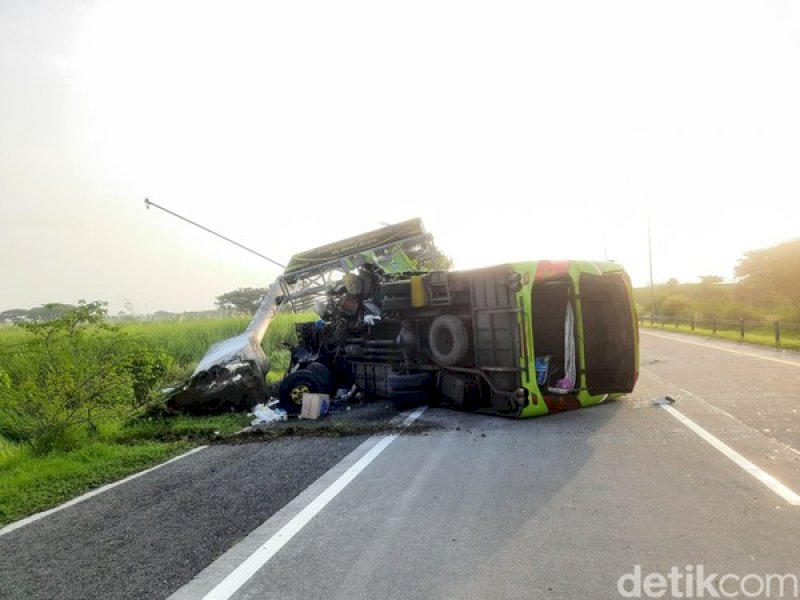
790, 314
147, 368
68, 380
736, 310
82, 369
675, 305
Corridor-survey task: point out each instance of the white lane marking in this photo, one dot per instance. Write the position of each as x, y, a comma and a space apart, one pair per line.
750, 354
719, 410
761, 475
241, 574
698, 398
46, 513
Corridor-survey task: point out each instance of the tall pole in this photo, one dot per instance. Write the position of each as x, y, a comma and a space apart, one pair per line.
650, 257
148, 204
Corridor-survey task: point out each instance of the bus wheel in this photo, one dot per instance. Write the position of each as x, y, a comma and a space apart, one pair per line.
448, 340
323, 373
292, 388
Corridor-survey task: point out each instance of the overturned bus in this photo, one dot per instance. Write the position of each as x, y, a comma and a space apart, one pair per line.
518, 340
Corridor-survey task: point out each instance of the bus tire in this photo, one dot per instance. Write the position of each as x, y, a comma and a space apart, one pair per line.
292, 388
323, 373
448, 340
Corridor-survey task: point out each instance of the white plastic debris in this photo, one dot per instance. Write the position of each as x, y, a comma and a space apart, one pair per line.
264, 415
371, 319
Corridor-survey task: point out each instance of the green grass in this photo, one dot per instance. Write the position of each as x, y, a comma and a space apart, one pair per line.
764, 337
13, 361
30, 484
7, 448
179, 428
185, 341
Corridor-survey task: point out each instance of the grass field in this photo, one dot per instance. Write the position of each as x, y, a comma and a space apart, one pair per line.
185, 341
124, 442
30, 484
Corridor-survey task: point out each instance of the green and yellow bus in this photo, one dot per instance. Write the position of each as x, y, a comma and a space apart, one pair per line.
519, 340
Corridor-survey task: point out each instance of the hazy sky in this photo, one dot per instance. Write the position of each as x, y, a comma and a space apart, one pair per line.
516, 130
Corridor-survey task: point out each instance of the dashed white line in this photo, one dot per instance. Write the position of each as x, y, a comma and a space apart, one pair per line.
241, 574
46, 513
768, 480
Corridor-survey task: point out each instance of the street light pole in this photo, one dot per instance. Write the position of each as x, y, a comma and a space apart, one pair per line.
650, 257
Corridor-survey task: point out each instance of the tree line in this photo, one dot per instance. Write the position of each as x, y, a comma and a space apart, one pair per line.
767, 286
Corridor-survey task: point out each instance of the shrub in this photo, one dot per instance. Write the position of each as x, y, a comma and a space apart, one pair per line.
82, 369
736, 310
676, 304
147, 368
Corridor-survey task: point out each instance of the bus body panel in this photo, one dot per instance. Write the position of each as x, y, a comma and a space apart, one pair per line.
518, 340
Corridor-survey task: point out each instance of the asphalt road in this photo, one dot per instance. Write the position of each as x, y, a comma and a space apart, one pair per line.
558, 507
147, 537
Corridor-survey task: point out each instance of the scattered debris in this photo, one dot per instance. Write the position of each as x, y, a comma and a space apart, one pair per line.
264, 415
663, 401
314, 406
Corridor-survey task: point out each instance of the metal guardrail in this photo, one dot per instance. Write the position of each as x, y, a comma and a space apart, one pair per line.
765, 327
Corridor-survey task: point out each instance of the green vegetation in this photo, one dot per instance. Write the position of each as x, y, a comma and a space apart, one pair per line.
186, 341
767, 288
177, 428
767, 291
30, 483
244, 300
712, 299
78, 372
77, 397
773, 270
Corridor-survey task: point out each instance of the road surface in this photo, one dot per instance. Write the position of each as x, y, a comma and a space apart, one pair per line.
583, 504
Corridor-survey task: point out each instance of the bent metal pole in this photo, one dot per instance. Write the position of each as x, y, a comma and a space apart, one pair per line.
148, 204
266, 310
